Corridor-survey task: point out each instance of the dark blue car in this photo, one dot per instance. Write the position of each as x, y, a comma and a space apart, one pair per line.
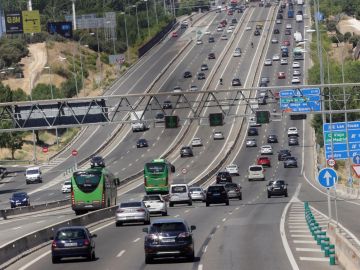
19, 199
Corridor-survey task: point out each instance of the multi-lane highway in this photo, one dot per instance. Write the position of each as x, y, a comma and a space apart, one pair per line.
248, 234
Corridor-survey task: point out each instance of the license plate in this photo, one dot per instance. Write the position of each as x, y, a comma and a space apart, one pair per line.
168, 240
70, 244
277, 188
216, 194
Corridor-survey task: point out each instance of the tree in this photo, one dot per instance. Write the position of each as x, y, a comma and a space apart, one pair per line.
347, 36
43, 91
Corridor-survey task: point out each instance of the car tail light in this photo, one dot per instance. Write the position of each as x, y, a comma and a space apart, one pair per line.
103, 200
53, 244
86, 242
140, 210
237, 189
120, 211
184, 235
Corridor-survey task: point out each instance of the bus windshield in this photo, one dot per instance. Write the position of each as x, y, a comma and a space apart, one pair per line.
155, 168
87, 181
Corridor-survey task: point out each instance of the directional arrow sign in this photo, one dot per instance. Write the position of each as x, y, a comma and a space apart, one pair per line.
356, 159
327, 177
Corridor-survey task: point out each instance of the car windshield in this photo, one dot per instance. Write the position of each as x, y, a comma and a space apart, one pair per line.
19, 195
255, 169
35, 171
152, 198
278, 183
178, 189
130, 204
70, 234
168, 227
195, 189
87, 181
67, 183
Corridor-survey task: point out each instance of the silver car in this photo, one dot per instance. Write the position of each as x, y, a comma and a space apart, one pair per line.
155, 204
250, 142
218, 135
197, 194
132, 212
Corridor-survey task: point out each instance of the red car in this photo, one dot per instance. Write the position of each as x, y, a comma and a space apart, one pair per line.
264, 161
277, 95
230, 13
174, 34
286, 43
281, 75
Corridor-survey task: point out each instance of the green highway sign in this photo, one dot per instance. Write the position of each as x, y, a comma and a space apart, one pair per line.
216, 119
262, 117
338, 137
171, 121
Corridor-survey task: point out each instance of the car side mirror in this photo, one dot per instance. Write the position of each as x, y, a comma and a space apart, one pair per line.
93, 235
145, 230
193, 227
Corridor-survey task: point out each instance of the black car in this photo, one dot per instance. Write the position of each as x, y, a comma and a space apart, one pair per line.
204, 67
233, 190
169, 237
236, 82
72, 241
290, 162
287, 32
263, 84
223, 177
276, 31
211, 39
253, 131
142, 143
19, 199
187, 74
233, 20
216, 194
167, 104
3, 172
299, 12
186, 151
257, 33
283, 154
201, 76
211, 56
293, 140
97, 161
277, 188
280, 10
272, 139
279, 17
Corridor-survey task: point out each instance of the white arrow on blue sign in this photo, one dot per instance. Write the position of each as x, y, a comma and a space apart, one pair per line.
356, 159
327, 177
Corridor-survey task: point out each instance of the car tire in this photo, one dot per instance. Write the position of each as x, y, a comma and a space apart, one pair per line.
148, 259
286, 194
164, 214
269, 196
190, 203
171, 204
27, 182
207, 204
147, 222
227, 203
55, 260
118, 224
191, 258
240, 197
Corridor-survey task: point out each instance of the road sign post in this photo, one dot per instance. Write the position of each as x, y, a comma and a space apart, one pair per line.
327, 178
74, 153
184, 171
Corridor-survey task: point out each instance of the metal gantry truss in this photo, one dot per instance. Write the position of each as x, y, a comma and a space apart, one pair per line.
117, 109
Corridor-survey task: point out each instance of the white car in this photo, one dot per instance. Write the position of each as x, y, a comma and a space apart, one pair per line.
193, 88
218, 135
224, 37
177, 89
248, 28
250, 142
295, 80
253, 122
266, 150
199, 41
278, 21
256, 172
296, 65
292, 131
232, 169
66, 187
296, 72
268, 62
237, 52
219, 29
276, 57
288, 26
196, 142
274, 40
283, 61
155, 204
207, 32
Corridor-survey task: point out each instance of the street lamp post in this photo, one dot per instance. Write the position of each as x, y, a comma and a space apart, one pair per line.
126, 37
156, 15
137, 20
147, 15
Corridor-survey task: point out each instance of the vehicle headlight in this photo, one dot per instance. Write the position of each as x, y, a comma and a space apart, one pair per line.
24, 199
285, 187
269, 188
12, 200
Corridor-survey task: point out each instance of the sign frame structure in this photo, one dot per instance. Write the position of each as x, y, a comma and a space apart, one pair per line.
300, 100
325, 175
339, 147
31, 21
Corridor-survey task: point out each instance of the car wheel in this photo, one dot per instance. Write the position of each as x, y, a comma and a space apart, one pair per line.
164, 214
190, 203
171, 204
286, 194
55, 259
148, 259
191, 258
240, 197
269, 195
227, 203
118, 224
207, 204
147, 222
27, 182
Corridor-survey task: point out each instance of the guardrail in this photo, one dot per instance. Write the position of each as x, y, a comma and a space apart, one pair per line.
14, 250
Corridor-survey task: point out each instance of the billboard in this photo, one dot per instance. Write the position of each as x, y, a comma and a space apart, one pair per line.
19, 22
61, 28
13, 23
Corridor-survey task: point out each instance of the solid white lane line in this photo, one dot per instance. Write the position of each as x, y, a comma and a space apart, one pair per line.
205, 248
120, 253
298, 231
200, 267
224, 219
137, 239
304, 241
301, 236
309, 249
314, 259
35, 260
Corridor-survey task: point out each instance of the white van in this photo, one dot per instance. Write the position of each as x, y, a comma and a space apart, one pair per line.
33, 174
179, 193
256, 172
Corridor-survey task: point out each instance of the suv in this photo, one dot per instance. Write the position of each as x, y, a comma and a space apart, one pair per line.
223, 177
277, 188
97, 161
216, 194
283, 154
186, 151
290, 162
292, 131
233, 190
33, 174
256, 172
179, 193
19, 199
169, 237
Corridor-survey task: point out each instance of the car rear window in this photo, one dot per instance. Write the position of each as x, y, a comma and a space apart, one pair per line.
195, 189
151, 198
178, 189
70, 234
255, 168
231, 186
216, 188
130, 204
168, 227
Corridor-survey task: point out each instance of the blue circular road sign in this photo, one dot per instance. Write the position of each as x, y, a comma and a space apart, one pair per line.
327, 177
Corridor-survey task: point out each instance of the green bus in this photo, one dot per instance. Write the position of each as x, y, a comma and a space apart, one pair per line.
93, 189
158, 176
